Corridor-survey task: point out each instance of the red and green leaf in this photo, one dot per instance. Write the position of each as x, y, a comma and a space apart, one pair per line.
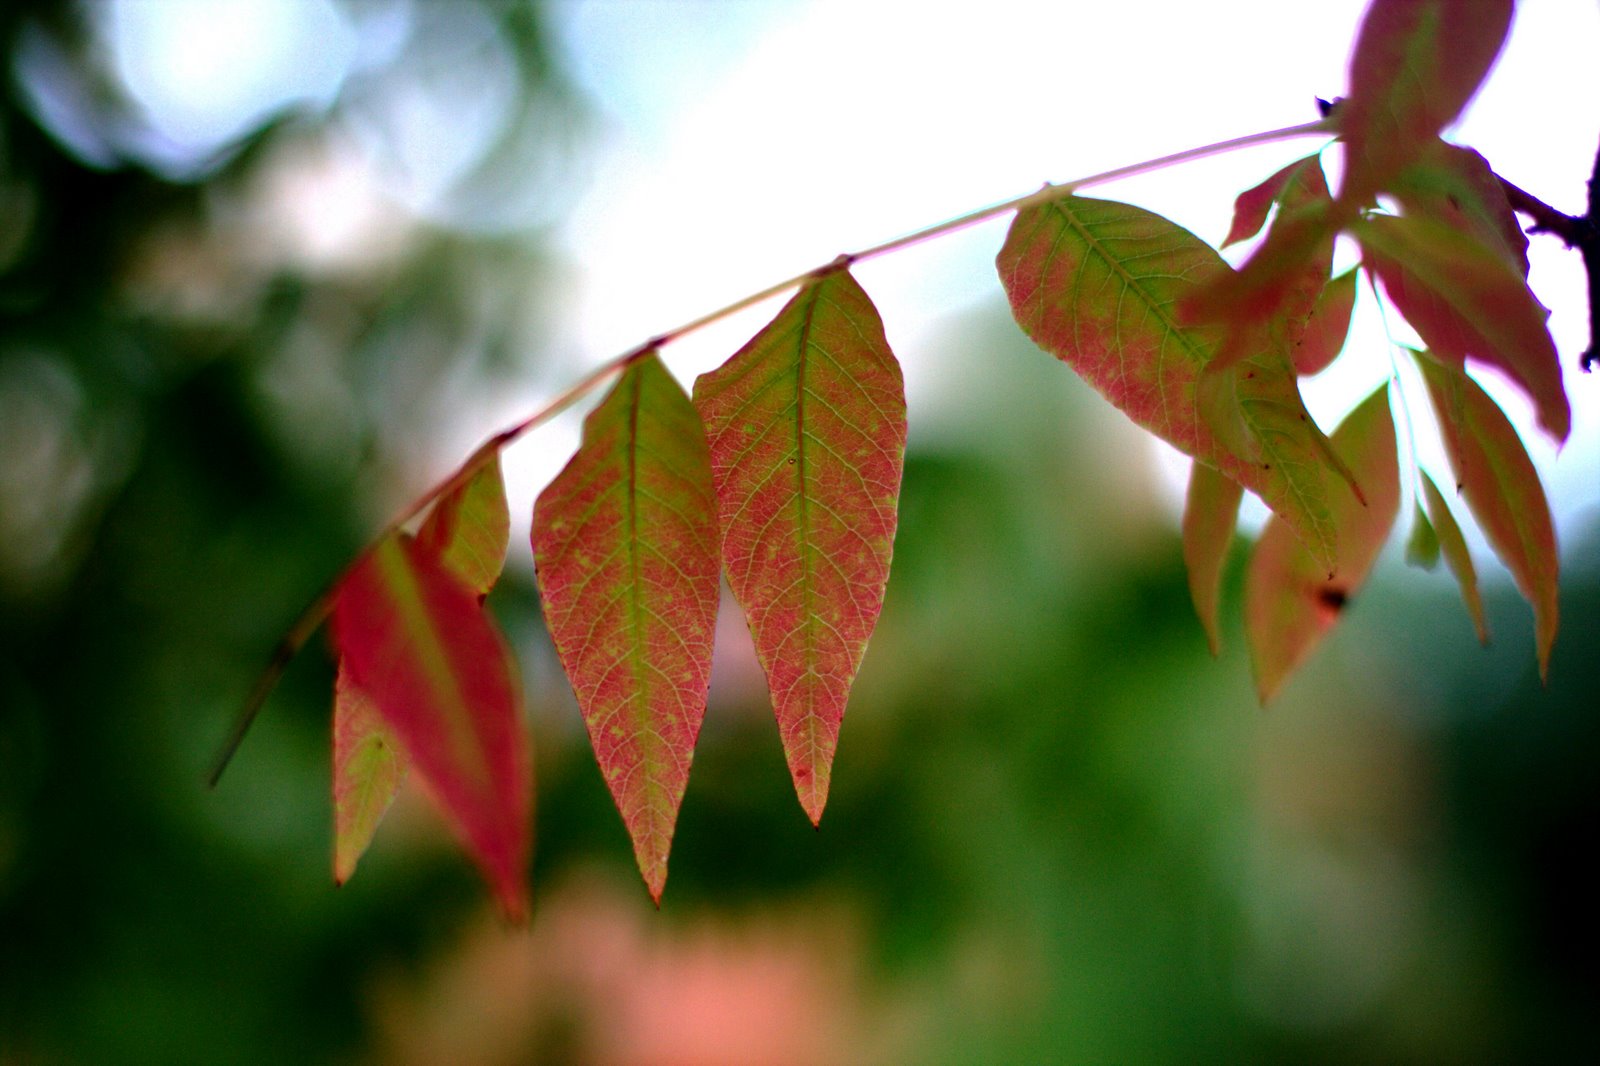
1415, 65
1502, 489
1453, 546
1096, 283
807, 430
1294, 186
415, 639
467, 530
1210, 512
1422, 547
1291, 601
1465, 300
625, 540
1328, 326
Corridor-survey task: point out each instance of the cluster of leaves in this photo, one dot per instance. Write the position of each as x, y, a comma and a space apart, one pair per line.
783, 469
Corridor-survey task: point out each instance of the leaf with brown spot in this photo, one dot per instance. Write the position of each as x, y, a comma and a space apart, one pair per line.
1291, 601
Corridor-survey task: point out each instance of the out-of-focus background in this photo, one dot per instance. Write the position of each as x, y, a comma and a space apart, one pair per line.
267, 269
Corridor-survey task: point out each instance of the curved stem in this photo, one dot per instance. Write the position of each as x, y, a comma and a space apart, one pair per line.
319, 609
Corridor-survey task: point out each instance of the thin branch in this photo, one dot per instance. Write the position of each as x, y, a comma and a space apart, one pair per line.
318, 610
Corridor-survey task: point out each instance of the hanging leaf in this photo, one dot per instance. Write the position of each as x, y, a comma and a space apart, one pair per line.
807, 428
1422, 547
467, 531
1415, 65
415, 639
1294, 186
1454, 548
1096, 284
1328, 326
1210, 511
368, 766
1502, 489
1457, 187
1265, 304
1466, 301
1290, 599
625, 540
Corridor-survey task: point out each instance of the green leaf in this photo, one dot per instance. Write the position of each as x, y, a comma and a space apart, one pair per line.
415, 639
1502, 490
368, 767
1096, 283
1210, 511
1465, 300
467, 531
807, 427
1415, 65
625, 540
1328, 326
1422, 547
1291, 601
1454, 548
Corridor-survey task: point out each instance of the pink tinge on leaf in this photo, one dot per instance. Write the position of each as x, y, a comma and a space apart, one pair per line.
415, 639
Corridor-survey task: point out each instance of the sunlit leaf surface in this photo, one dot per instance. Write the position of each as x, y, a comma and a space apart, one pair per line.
807, 428
625, 540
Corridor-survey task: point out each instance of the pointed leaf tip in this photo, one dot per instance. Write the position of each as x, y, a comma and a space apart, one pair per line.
1210, 511
1502, 489
1453, 546
625, 541
1290, 599
807, 429
415, 639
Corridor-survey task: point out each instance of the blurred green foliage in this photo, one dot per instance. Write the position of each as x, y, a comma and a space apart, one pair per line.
1059, 832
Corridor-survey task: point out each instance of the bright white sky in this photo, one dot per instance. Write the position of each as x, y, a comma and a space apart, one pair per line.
745, 142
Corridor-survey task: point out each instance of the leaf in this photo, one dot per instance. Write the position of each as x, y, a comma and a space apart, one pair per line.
1293, 186
625, 540
415, 639
1267, 301
807, 428
467, 531
1422, 547
368, 766
1457, 187
1454, 548
1466, 301
1415, 65
1210, 512
1502, 490
1327, 327
1290, 600
1096, 283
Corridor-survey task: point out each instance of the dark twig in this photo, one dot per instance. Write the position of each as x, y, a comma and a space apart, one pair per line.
1576, 231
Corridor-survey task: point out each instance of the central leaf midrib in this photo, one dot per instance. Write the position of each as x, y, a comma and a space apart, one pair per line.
641, 703
802, 511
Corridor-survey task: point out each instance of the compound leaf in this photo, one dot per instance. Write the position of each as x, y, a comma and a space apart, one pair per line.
1210, 511
1290, 599
807, 428
415, 639
1096, 284
1502, 490
625, 541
